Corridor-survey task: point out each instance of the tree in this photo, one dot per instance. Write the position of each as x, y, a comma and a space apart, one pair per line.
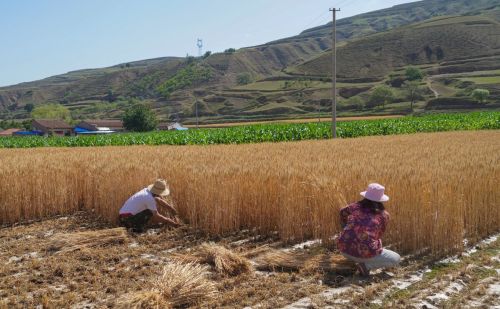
230, 50
51, 111
356, 102
480, 95
111, 96
29, 107
140, 118
413, 73
207, 54
27, 125
381, 95
243, 79
413, 90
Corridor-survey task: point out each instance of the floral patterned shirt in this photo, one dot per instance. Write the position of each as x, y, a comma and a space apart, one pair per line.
362, 231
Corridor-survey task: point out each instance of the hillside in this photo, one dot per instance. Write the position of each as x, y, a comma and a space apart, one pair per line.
397, 16
286, 77
438, 40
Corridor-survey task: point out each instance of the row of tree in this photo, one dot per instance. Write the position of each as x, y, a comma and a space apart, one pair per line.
412, 85
138, 118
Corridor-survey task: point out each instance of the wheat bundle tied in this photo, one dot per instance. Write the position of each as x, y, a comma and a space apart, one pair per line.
223, 260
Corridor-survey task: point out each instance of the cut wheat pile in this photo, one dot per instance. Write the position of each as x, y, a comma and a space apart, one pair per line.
180, 285
224, 261
184, 284
324, 263
278, 260
443, 186
292, 261
69, 242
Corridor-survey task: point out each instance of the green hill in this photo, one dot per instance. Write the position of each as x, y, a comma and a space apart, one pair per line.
290, 77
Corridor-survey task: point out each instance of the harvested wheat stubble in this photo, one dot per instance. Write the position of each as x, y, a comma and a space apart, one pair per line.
252, 253
69, 242
225, 262
184, 284
144, 300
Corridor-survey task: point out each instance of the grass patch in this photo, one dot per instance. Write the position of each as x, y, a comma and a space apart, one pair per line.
483, 80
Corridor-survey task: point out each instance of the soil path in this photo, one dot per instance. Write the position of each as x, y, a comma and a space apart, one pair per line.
429, 84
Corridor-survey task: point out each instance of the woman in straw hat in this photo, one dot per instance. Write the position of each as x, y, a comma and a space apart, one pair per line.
363, 224
141, 207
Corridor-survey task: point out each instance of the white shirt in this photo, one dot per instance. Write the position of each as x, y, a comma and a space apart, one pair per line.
138, 202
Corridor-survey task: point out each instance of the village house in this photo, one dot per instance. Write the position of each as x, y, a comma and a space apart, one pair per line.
9, 132
102, 125
52, 127
165, 126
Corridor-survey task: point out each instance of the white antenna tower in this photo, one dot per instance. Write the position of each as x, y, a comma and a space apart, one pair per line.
199, 43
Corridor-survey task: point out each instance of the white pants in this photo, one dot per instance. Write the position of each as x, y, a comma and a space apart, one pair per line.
386, 259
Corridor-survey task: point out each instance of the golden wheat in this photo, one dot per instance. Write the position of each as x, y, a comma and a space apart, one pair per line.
443, 186
224, 261
184, 284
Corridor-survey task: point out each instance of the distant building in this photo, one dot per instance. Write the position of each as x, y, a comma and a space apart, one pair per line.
9, 132
52, 127
101, 125
164, 126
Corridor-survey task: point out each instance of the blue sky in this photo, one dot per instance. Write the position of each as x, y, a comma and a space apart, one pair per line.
41, 38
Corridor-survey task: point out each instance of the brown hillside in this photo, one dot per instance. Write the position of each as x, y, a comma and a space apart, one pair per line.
434, 41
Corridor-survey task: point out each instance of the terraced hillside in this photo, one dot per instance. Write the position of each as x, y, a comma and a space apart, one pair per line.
290, 77
442, 40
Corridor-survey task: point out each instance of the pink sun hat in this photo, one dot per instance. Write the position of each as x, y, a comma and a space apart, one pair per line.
375, 192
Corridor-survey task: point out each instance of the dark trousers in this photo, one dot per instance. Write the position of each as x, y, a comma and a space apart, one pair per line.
137, 222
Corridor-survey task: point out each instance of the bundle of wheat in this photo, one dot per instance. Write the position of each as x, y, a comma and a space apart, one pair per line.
184, 284
69, 242
324, 263
144, 300
277, 260
252, 253
224, 261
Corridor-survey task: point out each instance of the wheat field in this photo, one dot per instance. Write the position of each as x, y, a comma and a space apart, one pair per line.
443, 186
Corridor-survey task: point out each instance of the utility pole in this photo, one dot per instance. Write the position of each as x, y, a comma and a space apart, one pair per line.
334, 73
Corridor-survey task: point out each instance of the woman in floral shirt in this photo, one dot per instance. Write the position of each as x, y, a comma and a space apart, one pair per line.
364, 223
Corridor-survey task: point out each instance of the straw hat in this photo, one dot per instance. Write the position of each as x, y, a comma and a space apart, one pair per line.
375, 192
160, 187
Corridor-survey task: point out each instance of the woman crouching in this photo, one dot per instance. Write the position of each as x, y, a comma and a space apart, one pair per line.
363, 224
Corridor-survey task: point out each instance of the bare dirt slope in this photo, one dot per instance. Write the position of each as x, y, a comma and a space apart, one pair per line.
33, 272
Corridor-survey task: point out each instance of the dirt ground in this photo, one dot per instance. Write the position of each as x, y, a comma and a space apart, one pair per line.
34, 274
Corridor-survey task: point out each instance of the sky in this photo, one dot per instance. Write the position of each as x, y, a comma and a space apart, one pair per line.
42, 38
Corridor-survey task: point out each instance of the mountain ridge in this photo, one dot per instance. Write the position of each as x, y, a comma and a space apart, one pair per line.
269, 66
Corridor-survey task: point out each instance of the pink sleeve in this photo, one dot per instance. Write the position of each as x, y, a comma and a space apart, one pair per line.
385, 220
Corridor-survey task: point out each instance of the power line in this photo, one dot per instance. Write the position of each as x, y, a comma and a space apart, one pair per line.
315, 19
342, 2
